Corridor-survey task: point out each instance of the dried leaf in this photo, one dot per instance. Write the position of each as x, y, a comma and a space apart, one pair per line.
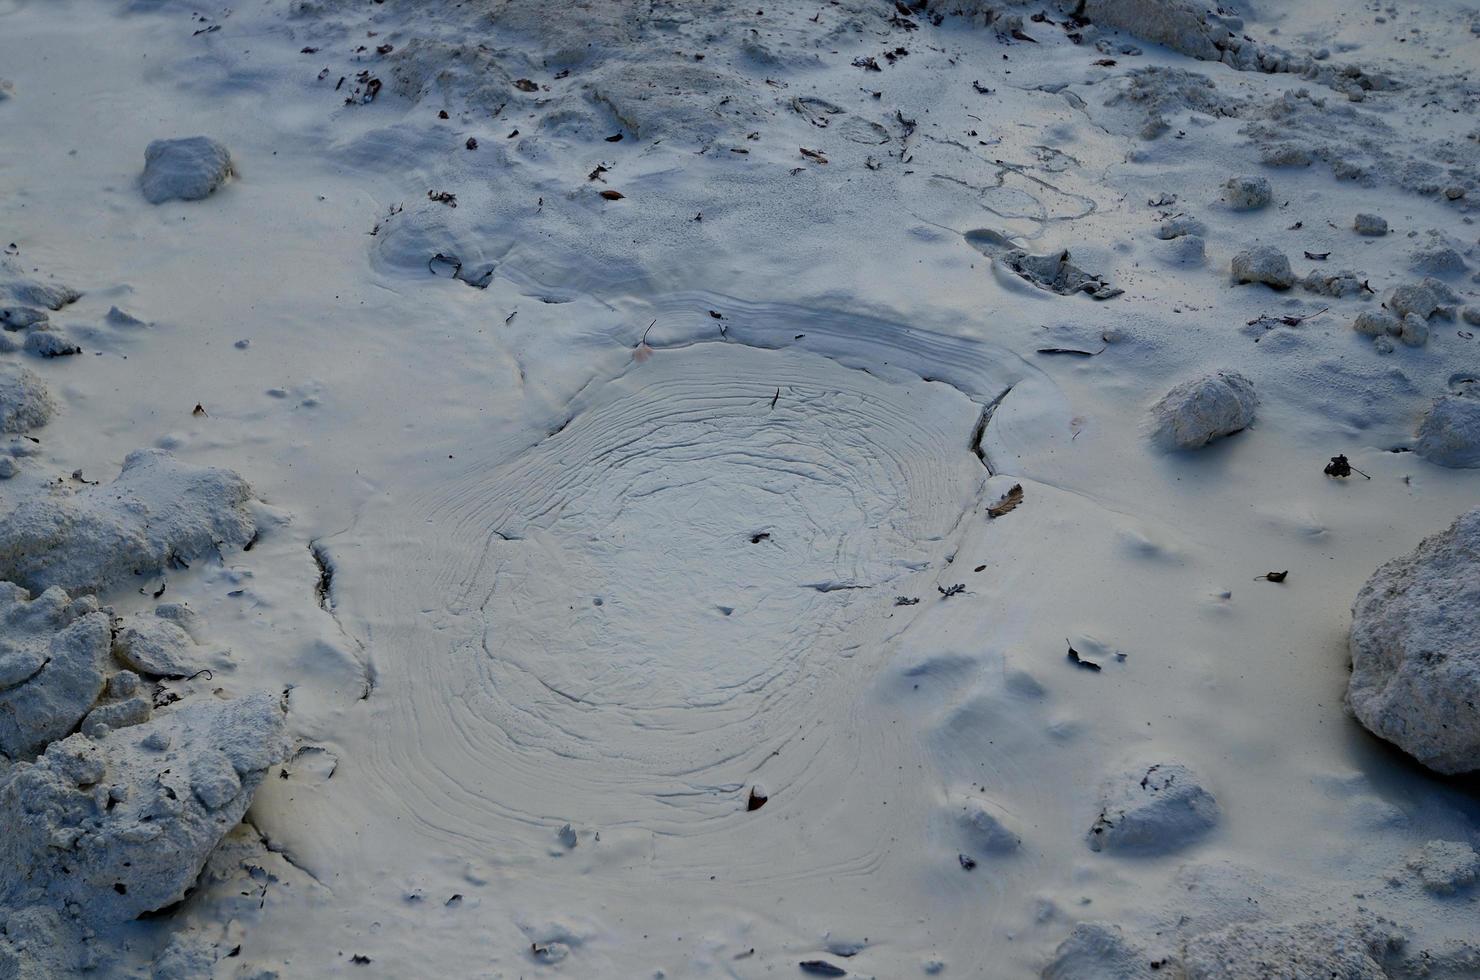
1070, 350
1009, 501
1272, 576
525, 85
1340, 466
812, 154
613, 195
1318, 256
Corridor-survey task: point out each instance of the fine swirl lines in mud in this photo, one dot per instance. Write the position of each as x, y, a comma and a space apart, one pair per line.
676, 592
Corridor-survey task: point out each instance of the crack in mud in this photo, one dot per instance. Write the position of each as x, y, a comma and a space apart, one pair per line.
324, 595
979, 432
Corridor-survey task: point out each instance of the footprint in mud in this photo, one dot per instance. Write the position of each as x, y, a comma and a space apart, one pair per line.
1052, 271
826, 115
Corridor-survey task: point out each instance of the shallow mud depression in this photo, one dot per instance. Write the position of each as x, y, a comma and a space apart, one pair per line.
657, 614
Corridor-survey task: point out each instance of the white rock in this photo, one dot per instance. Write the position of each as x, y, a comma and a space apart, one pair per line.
156, 647
121, 318
1247, 193
1444, 867
41, 944
187, 169
1261, 951
1188, 250
48, 343
1180, 25
1415, 330
1371, 224
1196, 412
1180, 225
1100, 951
1411, 297
25, 403
157, 511
1449, 434
125, 704
1370, 323
1265, 264
1338, 284
22, 317
1415, 646
1152, 809
1435, 255
986, 826
51, 295
111, 830
53, 658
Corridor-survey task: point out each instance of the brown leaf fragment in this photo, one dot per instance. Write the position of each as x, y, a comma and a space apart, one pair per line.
1318, 256
525, 85
1272, 576
611, 195
812, 154
1008, 503
1070, 350
1340, 466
